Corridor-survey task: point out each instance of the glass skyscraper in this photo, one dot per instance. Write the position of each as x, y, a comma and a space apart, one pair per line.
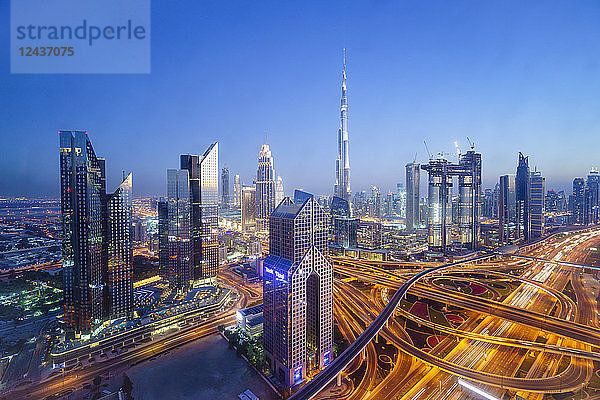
225, 187
522, 197
536, 204
507, 209
342, 163
413, 183
96, 238
297, 291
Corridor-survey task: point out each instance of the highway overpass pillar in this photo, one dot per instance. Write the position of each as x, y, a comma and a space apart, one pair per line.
339, 379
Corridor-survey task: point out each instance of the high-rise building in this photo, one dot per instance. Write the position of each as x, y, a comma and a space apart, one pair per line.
248, 206
96, 238
298, 291
278, 190
469, 199
413, 183
119, 250
265, 188
163, 238
374, 204
204, 214
522, 197
536, 205
578, 203
225, 187
179, 267
83, 181
592, 194
468, 210
237, 191
342, 163
507, 210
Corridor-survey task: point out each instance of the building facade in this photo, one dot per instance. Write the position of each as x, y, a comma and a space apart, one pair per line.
507, 210
537, 205
248, 209
413, 184
225, 187
297, 291
522, 187
237, 191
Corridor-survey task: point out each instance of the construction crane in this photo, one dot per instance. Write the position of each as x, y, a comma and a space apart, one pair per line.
471, 143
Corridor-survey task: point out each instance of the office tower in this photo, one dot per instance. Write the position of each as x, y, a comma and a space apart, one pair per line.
592, 193
297, 291
507, 210
368, 235
204, 215
248, 205
225, 187
179, 237
119, 250
278, 190
469, 199
82, 180
522, 193
96, 238
237, 191
439, 219
578, 203
536, 205
359, 203
343, 226
265, 188
413, 183
163, 238
342, 163
488, 203
374, 204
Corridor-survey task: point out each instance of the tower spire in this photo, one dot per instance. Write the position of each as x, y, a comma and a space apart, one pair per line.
342, 179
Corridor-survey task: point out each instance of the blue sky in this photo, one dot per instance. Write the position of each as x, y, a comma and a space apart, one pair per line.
513, 76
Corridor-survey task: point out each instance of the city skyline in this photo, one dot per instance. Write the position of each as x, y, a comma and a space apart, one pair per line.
399, 98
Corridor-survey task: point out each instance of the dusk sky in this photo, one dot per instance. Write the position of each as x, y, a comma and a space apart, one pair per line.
512, 76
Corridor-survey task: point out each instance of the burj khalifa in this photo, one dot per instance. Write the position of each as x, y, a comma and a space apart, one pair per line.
342, 164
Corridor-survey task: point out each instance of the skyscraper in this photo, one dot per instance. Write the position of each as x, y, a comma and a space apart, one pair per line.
82, 179
248, 207
204, 218
119, 250
578, 204
507, 209
265, 188
342, 163
536, 205
413, 183
237, 191
96, 238
179, 237
163, 238
225, 187
439, 221
592, 195
192, 212
298, 291
522, 197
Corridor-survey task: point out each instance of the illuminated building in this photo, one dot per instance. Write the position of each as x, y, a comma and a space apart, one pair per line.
536, 204
163, 238
248, 209
297, 291
237, 191
522, 198
374, 203
413, 183
225, 187
507, 209
345, 231
97, 238
265, 188
342, 163
250, 320
178, 245
119, 250
368, 235
578, 202
204, 215
439, 221
592, 193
